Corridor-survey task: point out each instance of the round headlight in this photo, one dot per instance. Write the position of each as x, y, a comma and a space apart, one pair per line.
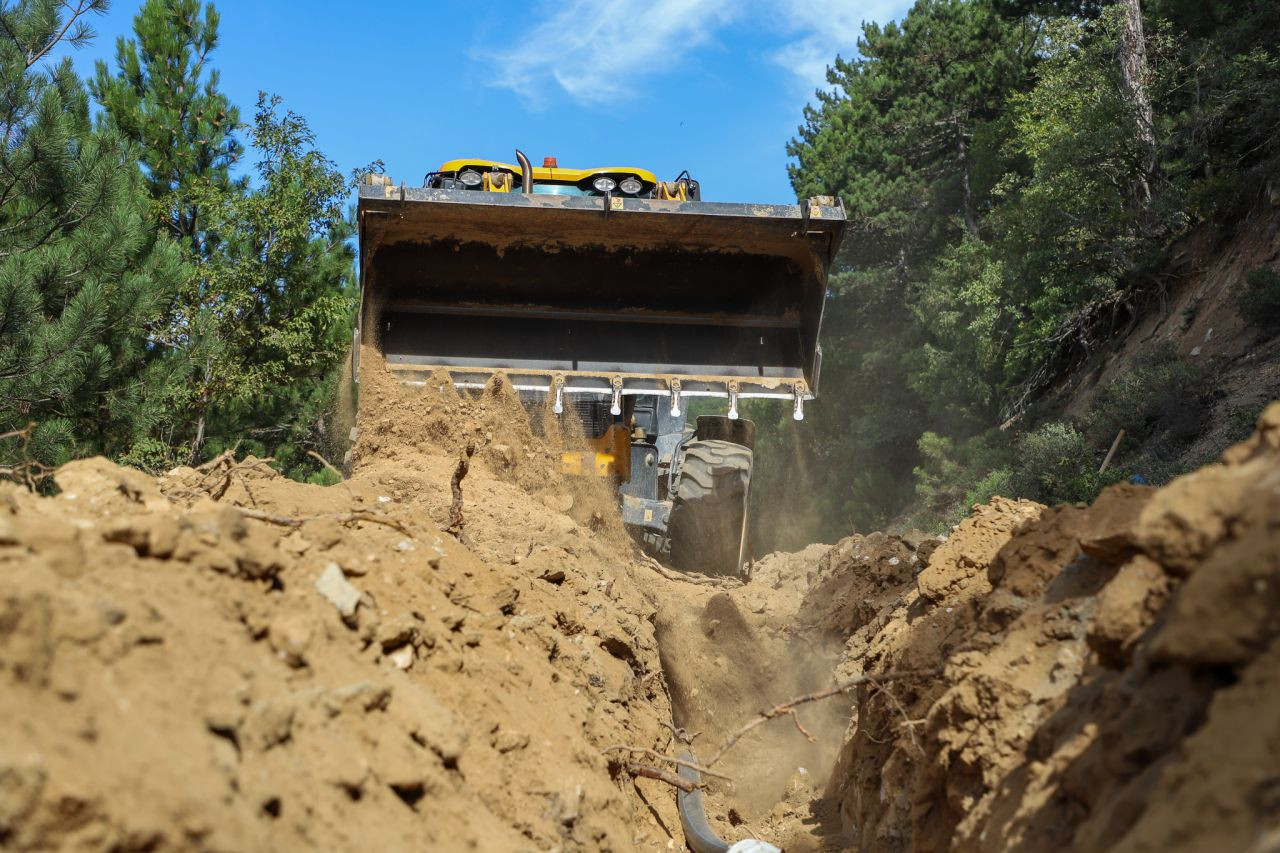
604, 185
630, 186
470, 178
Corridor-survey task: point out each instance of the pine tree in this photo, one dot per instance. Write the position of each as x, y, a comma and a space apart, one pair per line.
264, 318
165, 98
82, 278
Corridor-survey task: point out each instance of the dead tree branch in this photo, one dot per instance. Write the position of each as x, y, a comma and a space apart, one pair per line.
667, 776
28, 472
788, 708
699, 580
456, 521
657, 756
340, 517
325, 462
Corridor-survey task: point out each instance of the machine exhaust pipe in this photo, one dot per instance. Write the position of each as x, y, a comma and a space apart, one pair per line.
526, 172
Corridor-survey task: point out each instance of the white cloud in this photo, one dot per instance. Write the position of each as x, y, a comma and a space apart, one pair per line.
598, 50
595, 49
820, 29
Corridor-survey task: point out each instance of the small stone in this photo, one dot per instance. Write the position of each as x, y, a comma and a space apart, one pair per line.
334, 586
525, 621
554, 576
270, 724
400, 631
325, 531
364, 696
290, 635
558, 503
504, 600
402, 657
507, 740
295, 543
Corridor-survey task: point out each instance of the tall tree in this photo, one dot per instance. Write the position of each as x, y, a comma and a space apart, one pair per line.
268, 309
82, 278
164, 97
913, 139
1133, 71
263, 319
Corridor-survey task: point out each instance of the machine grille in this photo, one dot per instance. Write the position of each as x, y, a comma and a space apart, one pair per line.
591, 411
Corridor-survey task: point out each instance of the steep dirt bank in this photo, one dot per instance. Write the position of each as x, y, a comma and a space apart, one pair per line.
1197, 317
1110, 675
224, 660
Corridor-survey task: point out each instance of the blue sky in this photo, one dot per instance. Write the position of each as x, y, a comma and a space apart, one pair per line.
714, 86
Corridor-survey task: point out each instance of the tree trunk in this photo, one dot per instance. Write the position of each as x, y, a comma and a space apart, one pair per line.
1133, 70
970, 217
204, 412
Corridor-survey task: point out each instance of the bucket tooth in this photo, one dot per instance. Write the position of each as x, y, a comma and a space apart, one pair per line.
615, 408
558, 385
797, 401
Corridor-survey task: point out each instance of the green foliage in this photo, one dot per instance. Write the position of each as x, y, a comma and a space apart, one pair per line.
83, 279
1056, 464
1258, 299
1069, 228
1010, 199
165, 97
952, 476
270, 303
1162, 396
259, 325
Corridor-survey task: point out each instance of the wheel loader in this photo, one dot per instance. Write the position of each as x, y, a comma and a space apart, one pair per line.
617, 297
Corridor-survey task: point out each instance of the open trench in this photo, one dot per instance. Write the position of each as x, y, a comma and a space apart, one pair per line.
222, 659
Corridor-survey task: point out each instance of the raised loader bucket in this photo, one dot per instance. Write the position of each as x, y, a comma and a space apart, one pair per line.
597, 294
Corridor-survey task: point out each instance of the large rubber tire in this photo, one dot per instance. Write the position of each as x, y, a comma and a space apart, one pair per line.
708, 525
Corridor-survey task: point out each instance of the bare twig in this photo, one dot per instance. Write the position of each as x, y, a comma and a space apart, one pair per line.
456, 520
324, 462
909, 723
29, 472
667, 776
657, 756
795, 718
227, 458
228, 455
340, 517
679, 735
699, 580
788, 707
1115, 445
24, 433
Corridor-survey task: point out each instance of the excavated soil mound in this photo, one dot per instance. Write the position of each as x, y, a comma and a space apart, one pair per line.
444, 650
223, 659
1090, 678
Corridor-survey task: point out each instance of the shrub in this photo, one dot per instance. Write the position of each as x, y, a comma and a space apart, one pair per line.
953, 476
1258, 300
996, 483
1057, 465
1163, 395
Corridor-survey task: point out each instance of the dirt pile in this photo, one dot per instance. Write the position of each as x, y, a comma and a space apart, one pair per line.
1109, 675
226, 660
221, 659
